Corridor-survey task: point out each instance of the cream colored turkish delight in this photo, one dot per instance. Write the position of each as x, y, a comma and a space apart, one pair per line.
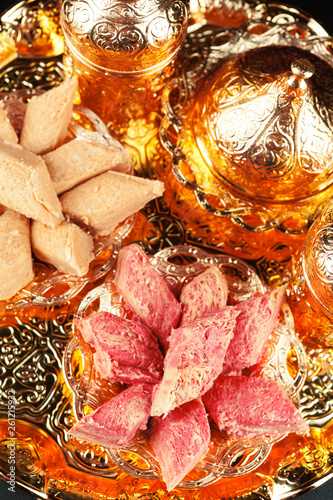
16, 269
104, 201
67, 247
47, 118
78, 160
26, 186
7, 131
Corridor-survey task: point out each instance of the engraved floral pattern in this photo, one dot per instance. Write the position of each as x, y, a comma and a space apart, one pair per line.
79, 15
126, 28
123, 41
317, 393
261, 114
31, 354
244, 135
315, 148
318, 259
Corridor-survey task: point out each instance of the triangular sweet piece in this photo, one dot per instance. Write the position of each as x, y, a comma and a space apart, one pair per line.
146, 293
78, 160
15, 111
180, 441
248, 407
103, 202
194, 359
26, 186
47, 118
117, 421
204, 294
7, 131
257, 319
16, 269
66, 246
124, 351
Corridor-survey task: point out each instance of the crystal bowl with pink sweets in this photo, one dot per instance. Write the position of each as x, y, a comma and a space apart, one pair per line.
185, 367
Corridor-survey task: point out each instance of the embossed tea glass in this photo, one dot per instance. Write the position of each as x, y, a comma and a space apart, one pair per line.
312, 287
122, 52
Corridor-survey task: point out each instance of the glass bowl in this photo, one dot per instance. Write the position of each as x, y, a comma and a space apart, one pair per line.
225, 458
49, 286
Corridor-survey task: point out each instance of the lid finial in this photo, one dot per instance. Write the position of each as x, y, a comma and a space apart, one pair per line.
301, 70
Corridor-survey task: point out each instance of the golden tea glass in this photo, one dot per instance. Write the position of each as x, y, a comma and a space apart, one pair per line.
122, 52
314, 283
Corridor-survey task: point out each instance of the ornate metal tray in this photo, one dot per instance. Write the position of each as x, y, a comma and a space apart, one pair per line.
33, 339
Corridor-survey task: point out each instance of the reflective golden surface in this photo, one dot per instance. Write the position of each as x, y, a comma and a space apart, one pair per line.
33, 340
230, 12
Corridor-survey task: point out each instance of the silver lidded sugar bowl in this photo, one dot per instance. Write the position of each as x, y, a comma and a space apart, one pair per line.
251, 129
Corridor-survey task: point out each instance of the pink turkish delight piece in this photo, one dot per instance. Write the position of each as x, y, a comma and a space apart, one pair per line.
180, 441
206, 293
117, 421
248, 407
257, 319
124, 351
194, 359
146, 293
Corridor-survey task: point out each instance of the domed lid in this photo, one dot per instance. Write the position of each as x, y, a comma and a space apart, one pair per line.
127, 36
264, 123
